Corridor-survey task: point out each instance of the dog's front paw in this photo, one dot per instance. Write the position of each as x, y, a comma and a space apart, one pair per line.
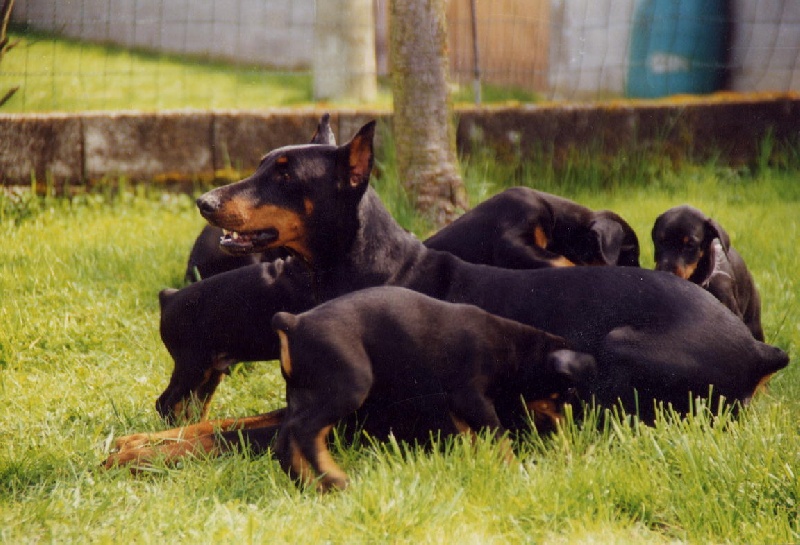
134, 441
135, 459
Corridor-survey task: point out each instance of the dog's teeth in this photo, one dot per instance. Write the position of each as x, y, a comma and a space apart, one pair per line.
235, 235
226, 232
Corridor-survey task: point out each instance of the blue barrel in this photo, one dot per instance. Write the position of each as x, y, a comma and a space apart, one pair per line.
677, 46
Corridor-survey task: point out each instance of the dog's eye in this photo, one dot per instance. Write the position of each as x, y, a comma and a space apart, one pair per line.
286, 177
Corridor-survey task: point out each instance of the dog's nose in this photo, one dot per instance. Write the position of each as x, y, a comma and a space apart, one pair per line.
208, 204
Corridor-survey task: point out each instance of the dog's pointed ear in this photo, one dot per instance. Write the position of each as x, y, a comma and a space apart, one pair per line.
324, 133
360, 156
716, 229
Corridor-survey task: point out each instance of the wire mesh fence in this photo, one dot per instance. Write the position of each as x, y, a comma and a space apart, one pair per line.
165, 54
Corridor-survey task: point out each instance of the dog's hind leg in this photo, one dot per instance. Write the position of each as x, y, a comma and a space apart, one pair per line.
191, 403
192, 384
325, 382
471, 410
312, 411
302, 446
302, 443
305, 455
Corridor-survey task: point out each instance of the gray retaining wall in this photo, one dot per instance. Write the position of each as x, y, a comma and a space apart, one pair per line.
206, 145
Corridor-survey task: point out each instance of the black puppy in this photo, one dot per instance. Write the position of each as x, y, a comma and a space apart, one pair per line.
210, 325
521, 228
386, 341
693, 246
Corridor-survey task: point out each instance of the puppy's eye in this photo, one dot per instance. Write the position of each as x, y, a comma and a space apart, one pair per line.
286, 177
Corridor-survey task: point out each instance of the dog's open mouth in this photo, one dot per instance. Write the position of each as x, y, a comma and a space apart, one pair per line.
249, 242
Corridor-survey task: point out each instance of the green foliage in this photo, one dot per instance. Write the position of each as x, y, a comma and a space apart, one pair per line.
81, 361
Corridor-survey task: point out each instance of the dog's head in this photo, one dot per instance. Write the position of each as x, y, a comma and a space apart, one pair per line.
564, 374
682, 237
609, 241
295, 193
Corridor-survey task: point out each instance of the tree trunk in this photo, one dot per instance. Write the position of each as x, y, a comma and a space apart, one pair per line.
344, 51
424, 133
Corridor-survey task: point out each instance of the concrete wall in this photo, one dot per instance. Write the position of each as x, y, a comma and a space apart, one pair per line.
191, 146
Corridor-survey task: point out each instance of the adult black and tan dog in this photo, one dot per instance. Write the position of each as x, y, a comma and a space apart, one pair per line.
207, 259
694, 246
656, 338
382, 342
521, 228
517, 228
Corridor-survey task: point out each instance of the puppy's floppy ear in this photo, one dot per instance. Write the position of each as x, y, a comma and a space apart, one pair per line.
716, 229
324, 133
360, 156
608, 236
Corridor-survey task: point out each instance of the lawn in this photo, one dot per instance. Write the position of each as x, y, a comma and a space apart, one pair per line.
60, 74
81, 362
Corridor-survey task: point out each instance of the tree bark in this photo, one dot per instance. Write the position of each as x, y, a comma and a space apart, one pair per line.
424, 133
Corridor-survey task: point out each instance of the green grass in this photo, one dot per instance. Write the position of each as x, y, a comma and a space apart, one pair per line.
57, 74
81, 362
60, 74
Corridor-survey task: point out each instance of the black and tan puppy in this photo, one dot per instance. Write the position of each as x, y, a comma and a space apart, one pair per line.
521, 228
695, 247
210, 325
385, 342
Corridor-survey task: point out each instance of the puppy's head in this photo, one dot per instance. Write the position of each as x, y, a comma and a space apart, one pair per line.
682, 237
612, 241
564, 374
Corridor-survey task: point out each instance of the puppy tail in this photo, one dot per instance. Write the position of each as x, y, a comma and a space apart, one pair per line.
165, 295
283, 321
